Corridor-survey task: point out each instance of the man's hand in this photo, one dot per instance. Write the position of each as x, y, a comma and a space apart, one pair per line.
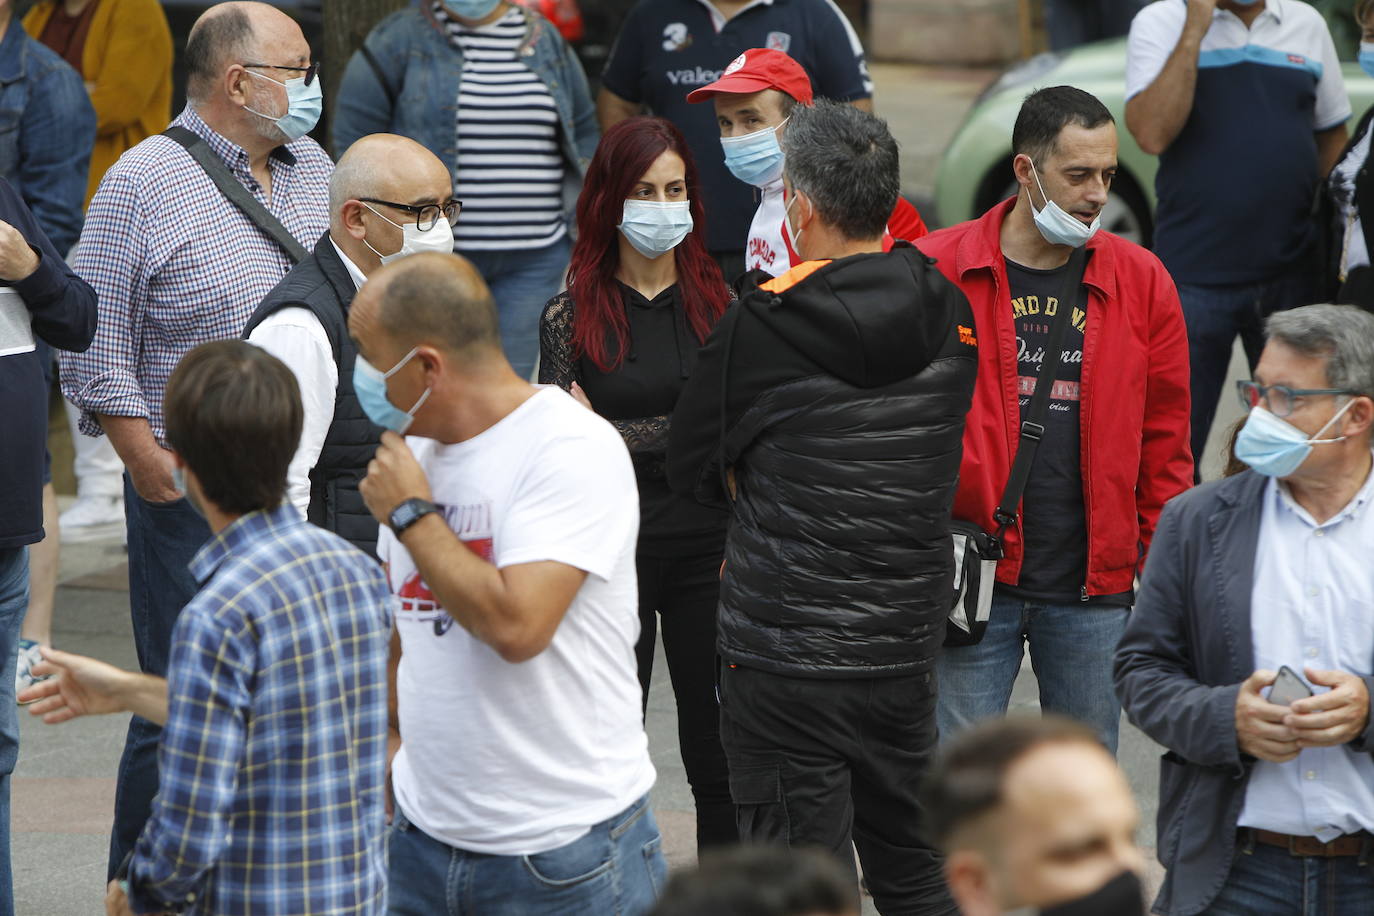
80, 686
393, 476
17, 258
1260, 728
152, 477
1333, 718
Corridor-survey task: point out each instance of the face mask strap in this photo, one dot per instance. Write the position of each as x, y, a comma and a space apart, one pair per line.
1325, 426
397, 368
1036, 173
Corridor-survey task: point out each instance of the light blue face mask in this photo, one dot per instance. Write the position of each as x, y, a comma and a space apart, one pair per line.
1366, 57
179, 481
1276, 448
303, 106
471, 9
1056, 225
369, 383
754, 158
655, 227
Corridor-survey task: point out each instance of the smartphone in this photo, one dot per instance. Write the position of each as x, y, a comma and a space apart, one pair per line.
1288, 687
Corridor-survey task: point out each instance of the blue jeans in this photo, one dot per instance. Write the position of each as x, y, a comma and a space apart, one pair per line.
616, 868
14, 600
163, 537
1214, 316
522, 281
1270, 881
1071, 649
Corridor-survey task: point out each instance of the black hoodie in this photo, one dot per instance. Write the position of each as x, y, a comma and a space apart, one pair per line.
838, 402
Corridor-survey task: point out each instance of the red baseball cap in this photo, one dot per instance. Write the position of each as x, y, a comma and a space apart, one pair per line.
758, 69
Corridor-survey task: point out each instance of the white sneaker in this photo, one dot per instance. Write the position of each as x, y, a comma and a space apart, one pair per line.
93, 518
24, 678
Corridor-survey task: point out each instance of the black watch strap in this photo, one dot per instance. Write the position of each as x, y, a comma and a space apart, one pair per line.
409, 512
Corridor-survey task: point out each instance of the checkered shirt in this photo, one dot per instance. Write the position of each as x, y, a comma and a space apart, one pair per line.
174, 264
273, 759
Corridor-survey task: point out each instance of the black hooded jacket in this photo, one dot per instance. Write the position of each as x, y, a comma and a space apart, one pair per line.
837, 401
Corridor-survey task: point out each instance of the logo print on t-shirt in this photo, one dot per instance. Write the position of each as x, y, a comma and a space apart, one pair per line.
472, 524
778, 41
676, 37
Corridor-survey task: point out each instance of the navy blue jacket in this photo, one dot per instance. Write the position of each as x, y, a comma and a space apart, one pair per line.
63, 310
1179, 667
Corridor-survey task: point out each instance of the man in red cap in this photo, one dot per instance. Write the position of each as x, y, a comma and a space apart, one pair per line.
754, 97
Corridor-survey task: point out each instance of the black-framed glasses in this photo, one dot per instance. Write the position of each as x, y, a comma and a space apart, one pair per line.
426, 215
1279, 399
310, 72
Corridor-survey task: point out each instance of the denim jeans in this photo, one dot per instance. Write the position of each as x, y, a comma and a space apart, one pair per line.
1270, 881
1214, 316
1071, 649
617, 867
522, 281
14, 600
163, 537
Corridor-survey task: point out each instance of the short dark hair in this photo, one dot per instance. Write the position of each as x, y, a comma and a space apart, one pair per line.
760, 881
233, 414
967, 780
846, 161
1046, 112
216, 36
428, 298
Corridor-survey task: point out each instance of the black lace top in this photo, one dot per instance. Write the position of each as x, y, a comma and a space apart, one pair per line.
638, 397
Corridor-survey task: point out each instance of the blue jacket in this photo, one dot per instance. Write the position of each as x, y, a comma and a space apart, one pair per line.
62, 307
1187, 648
47, 128
405, 81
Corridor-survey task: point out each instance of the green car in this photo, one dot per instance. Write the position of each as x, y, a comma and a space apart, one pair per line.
975, 172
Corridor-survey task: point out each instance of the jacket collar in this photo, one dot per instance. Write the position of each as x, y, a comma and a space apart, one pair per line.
335, 271
241, 534
13, 52
981, 249
1233, 530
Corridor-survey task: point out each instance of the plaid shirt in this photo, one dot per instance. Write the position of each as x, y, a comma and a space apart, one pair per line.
273, 758
174, 264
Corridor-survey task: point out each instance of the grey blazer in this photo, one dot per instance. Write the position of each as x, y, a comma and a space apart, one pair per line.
1178, 670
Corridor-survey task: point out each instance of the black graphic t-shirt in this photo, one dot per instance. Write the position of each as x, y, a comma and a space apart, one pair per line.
1053, 518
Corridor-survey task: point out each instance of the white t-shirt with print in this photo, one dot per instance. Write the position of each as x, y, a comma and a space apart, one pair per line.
516, 759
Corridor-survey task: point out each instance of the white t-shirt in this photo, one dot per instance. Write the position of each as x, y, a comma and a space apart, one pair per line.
768, 247
516, 759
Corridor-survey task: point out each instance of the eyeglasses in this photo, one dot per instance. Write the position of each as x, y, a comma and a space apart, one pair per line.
310, 71
426, 215
1279, 400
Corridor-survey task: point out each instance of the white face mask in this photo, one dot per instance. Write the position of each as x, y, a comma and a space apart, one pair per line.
438, 237
1058, 227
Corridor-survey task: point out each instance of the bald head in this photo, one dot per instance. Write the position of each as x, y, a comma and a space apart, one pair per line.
388, 167
434, 299
238, 32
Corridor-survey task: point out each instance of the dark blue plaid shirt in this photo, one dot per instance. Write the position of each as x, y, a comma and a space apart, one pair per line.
273, 759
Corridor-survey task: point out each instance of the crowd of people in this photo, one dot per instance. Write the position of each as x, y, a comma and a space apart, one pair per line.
396, 607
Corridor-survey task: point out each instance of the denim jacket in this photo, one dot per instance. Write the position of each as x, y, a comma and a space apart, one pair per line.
47, 128
405, 81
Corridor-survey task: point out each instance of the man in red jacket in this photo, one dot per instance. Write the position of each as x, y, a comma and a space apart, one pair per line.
1115, 445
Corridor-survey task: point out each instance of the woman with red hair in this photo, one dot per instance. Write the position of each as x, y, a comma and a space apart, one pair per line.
642, 296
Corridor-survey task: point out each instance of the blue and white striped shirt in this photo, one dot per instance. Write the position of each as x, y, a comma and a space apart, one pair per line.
273, 759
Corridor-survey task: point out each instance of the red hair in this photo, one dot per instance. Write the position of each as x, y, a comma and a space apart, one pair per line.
600, 323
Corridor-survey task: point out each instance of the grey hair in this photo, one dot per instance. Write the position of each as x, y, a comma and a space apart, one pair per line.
218, 37
355, 176
846, 161
1343, 334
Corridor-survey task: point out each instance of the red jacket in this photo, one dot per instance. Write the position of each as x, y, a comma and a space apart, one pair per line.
1134, 408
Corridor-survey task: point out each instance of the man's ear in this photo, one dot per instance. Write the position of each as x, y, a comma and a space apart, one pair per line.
971, 882
1021, 167
351, 215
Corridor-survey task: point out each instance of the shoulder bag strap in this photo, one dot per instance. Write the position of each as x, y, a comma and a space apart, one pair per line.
236, 193
1033, 426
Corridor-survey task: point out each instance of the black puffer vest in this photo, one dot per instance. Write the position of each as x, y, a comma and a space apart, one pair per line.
321, 283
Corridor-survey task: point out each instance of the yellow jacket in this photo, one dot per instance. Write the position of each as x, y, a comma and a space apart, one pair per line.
127, 66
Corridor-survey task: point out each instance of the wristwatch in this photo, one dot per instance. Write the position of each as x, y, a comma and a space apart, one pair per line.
408, 513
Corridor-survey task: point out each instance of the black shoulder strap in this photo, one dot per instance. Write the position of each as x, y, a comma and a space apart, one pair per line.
236, 193
1033, 426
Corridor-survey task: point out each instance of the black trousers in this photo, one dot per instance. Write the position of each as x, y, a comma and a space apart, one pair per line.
683, 592
823, 762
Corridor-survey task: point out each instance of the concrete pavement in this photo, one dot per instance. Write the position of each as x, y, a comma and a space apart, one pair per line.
63, 786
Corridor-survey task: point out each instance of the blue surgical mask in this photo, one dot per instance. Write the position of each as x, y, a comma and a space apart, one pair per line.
471, 9
655, 227
1058, 227
754, 158
179, 481
1276, 448
370, 385
303, 106
1366, 57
